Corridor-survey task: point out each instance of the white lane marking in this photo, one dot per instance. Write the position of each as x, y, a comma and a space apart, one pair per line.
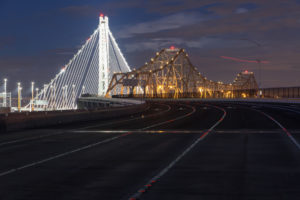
169, 121
170, 165
248, 131
60, 155
282, 127
30, 138
72, 130
283, 108
131, 119
240, 131
139, 131
65, 154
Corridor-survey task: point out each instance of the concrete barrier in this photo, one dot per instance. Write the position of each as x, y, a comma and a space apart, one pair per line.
251, 100
26, 120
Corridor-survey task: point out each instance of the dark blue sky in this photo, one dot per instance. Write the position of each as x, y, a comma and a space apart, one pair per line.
38, 37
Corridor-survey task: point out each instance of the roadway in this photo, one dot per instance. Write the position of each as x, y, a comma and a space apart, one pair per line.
173, 150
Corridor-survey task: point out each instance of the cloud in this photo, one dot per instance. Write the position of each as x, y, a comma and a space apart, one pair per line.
199, 43
111, 8
241, 10
174, 21
82, 10
153, 44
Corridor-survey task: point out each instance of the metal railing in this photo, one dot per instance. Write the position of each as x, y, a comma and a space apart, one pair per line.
281, 92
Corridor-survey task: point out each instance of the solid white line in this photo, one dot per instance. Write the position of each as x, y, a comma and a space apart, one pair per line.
283, 108
139, 131
64, 154
60, 155
169, 121
126, 120
72, 130
169, 166
30, 138
282, 127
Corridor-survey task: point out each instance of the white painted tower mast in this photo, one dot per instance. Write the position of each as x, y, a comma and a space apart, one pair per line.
103, 55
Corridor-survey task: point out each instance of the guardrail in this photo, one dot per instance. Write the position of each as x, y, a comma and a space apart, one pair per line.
281, 92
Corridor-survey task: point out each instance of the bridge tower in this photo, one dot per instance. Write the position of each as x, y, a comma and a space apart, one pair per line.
103, 55
88, 72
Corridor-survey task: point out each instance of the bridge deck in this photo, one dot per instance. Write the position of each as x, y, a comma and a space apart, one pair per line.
246, 156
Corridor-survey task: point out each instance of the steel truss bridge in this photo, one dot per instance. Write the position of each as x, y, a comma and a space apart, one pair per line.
170, 74
100, 68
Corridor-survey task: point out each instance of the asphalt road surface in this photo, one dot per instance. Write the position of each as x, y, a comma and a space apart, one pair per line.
173, 150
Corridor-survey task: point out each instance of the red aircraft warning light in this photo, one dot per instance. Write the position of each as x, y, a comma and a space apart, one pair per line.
172, 47
101, 15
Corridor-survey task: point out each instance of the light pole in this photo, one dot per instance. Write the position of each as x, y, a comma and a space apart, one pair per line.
5, 92
51, 103
54, 95
32, 96
19, 97
73, 95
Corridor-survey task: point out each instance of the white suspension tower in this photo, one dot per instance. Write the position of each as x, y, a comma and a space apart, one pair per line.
103, 55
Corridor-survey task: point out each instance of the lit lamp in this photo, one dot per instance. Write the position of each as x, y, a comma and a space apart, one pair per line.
19, 96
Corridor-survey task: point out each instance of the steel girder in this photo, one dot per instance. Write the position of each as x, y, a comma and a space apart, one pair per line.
170, 74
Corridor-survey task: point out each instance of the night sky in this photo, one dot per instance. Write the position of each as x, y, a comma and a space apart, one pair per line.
38, 37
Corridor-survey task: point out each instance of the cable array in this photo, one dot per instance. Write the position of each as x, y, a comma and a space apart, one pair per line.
80, 75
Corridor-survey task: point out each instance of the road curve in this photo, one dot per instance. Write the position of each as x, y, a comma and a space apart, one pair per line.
162, 153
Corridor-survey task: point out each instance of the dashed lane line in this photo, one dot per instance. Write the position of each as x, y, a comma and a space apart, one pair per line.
154, 179
65, 131
74, 151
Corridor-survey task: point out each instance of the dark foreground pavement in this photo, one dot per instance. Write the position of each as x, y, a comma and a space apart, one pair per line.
251, 154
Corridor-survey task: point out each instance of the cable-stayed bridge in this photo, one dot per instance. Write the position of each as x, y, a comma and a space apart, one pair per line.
89, 71
100, 68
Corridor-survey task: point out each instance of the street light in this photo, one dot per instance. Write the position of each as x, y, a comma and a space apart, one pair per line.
32, 90
51, 97
73, 95
4, 93
32, 96
19, 96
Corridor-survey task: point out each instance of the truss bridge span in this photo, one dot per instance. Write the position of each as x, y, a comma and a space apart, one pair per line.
170, 74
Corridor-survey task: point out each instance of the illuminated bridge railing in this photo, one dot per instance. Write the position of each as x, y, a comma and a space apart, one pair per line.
251, 93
